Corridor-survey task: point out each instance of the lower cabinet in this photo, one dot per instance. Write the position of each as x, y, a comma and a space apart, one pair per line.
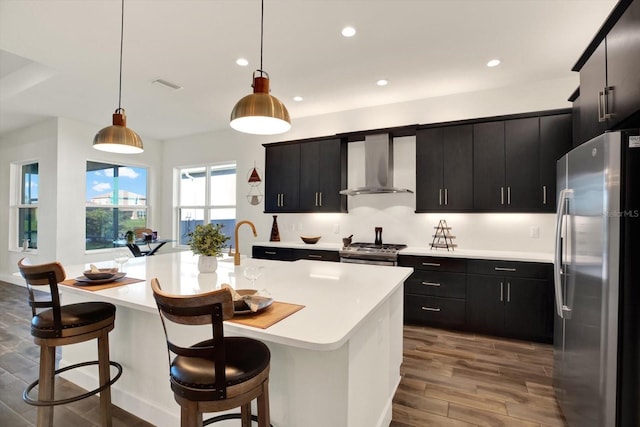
510, 299
504, 298
293, 254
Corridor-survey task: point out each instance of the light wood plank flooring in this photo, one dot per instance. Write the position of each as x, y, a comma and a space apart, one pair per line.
448, 379
460, 379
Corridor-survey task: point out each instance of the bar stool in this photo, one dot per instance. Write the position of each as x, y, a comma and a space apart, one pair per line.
217, 374
58, 325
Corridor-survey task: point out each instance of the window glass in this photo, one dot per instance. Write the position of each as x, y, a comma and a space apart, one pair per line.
27, 206
203, 200
116, 202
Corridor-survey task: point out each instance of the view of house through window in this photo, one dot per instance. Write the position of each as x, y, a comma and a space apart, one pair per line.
207, 194
27, 206
116, 202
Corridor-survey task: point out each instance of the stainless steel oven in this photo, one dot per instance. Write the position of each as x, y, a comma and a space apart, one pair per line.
370, 253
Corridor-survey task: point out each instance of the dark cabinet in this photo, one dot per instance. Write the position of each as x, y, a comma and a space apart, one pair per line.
306, 176
322, 176
282, 172
316, 255
610, 77
273, 253
488, 166
511, 299
522, 164
435, 292
444, 169
556, 140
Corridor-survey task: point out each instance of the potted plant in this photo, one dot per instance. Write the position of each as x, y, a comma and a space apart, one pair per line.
130, 236
207, 241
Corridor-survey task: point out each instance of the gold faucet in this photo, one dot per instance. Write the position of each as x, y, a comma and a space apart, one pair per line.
236, 255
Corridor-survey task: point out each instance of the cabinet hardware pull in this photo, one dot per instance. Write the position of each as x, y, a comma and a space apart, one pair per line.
505, 269
606, 114
446, 196
544, 194
508, 195
314, 256
600, 106
282, 200
431, 264
502, 195
320, 199
430, 309
440, 196
501, 291
270, 253
431, 284
508, 292
316, 198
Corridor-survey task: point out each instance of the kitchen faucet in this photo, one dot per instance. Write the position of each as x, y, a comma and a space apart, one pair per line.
236, 254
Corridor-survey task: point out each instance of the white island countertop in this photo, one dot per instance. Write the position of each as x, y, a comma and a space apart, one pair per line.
337, 296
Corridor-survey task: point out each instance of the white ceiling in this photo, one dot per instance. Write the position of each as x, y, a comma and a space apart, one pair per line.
61, 57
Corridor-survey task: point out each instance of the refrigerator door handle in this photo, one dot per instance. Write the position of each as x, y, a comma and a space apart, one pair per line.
564, 196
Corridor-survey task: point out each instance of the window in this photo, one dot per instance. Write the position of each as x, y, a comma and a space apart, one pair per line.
27, 206
206, 194
116, 202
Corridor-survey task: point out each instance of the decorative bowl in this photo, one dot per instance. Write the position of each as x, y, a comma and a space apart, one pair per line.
310, 240
103, 273
248, 296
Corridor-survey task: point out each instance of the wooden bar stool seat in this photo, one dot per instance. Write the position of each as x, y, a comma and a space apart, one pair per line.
54, 325
216, 374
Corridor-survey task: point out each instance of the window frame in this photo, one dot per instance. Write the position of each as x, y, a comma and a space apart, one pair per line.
207, 207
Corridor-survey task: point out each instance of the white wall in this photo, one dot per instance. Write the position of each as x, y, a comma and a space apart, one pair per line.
62, 147
394, 212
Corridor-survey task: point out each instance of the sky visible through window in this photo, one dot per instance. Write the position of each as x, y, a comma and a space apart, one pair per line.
101, 181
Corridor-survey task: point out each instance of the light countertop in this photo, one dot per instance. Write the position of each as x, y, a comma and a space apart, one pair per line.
427, 251
337, 296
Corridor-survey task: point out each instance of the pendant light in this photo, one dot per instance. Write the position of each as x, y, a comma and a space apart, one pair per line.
118, 138
260, 113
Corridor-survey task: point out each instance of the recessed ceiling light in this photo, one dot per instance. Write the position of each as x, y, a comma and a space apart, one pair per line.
242, 62
297, 98
382, 82
493, 63
348, 31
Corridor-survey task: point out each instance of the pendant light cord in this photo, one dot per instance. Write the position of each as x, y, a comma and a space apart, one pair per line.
261, 33
121, 45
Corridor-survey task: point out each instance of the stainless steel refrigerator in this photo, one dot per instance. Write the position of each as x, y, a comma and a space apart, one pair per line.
597, 282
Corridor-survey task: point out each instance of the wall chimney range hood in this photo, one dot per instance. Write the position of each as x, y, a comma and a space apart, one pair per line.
378, 167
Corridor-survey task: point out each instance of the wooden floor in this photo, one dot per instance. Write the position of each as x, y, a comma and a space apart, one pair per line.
448, 379
459, 379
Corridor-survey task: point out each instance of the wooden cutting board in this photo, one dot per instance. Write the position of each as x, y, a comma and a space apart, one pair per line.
270, 316
124, 281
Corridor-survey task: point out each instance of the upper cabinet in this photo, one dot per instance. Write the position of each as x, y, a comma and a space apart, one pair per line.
444, 169
305, 176
610, 74
502, 165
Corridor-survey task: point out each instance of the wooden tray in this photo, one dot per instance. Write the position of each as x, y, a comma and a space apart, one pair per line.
124, 281
270, 316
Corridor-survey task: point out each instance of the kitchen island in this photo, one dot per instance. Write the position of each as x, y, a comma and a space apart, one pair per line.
336, 362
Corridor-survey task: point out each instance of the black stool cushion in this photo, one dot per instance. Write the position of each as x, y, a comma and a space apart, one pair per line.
72, 316
245, 358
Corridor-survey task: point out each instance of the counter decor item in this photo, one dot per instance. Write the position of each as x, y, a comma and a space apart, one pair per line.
275, 233
346, 241
442, 239
310, 240
207, 241
254, 197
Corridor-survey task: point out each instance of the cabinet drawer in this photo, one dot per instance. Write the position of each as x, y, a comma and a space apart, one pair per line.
433, 263
316, 255
436, 283
434, 310
268, 252
508, 268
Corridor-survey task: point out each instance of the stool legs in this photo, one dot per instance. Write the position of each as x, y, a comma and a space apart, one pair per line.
46, 385
264, 417
245, 414
190, 416
104, 375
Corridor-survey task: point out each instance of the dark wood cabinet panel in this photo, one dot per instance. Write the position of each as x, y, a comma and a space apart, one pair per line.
555, 141
623, 66
433, 263
282, 172
488, 166
526, 312
485, 304
273, 253
322, 176
438, 284
435, 311
444, 169
593, 79
316, 255
522, 167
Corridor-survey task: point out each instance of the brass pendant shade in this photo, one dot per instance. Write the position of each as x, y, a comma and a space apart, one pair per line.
118, 138
260, 113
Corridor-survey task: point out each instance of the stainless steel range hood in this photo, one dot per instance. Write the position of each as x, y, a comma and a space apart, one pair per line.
378, 167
